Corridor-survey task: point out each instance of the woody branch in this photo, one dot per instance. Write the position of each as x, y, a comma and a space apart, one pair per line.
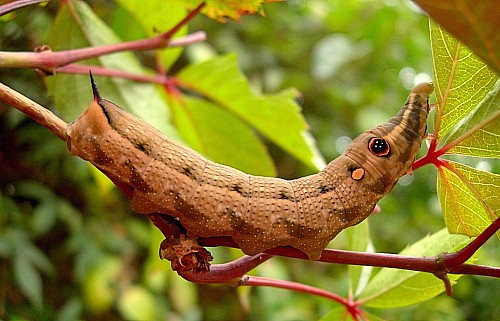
228, 273
48, 62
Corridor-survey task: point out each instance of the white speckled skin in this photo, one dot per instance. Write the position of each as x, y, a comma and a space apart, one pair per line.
257, 212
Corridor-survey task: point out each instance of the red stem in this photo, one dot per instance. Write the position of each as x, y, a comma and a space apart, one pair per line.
169, 34
298, 287
350, 305
435, 264
14, 5
228, 273
458, 258
49, 61
432, 156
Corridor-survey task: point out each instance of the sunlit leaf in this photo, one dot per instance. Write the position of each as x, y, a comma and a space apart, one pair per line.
157, 16
391, 288
276, 116
220, 9
221, 136
461, 79
475, 23
470, 198
479, 132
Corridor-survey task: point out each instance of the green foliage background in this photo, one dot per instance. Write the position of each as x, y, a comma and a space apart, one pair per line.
70, 246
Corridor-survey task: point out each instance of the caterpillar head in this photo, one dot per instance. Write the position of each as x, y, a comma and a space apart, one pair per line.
388, 151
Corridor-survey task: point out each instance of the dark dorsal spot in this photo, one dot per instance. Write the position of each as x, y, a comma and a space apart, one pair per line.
283, 196
188, 171
142, 147
325, 189
236, 187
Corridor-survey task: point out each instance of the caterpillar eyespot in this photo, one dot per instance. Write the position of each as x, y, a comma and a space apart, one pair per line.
379, 147
259, 213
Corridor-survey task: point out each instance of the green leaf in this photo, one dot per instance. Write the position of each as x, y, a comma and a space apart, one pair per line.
28, 259
478, 133
276, 116
156, 273
71, 310
28, 279
221, 136
461, 80
470, 198
391, 288
474, 23
37, 258
158, 16
340, 314
71, 93
143, 100
44, 217
358, 239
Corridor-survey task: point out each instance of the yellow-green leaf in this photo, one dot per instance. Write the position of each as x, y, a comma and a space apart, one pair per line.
470, 198
479, 133
155, 17
392, 288
473, 22
461, 79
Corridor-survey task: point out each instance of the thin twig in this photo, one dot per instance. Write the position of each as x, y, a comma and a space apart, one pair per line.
421, 264
41, 115
49, 61
456, 259
58, 126
14, 5
298, 287
227, 273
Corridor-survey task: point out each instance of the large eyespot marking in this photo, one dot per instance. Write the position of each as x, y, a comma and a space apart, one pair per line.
379, 147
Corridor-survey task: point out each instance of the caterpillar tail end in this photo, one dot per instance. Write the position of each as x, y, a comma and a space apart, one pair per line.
423, 88
95, 92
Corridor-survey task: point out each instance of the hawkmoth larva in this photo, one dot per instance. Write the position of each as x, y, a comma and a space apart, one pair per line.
259, 213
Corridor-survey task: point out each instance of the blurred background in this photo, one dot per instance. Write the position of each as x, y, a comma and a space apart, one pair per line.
70, 246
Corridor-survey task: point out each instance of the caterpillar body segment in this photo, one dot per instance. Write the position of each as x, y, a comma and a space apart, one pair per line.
259, 213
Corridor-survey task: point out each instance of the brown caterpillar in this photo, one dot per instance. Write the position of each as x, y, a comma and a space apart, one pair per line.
259, 213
